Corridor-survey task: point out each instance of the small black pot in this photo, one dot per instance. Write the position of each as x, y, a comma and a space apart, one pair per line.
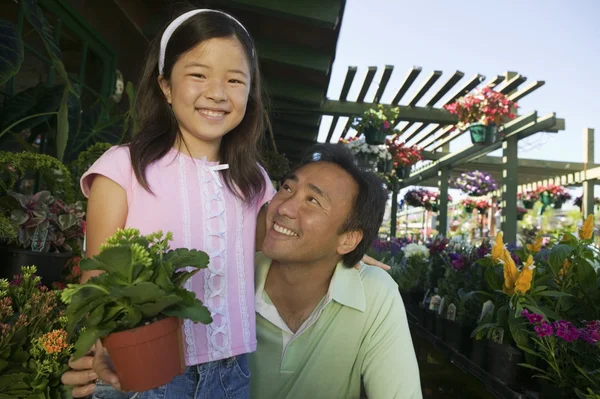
50, 265
549, 391
503, 362
430, 321
479, 352
440, 326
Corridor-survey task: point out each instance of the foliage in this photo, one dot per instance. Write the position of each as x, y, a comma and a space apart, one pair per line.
376, 119
277, 165
84, 161
359, 147
403, 155
44, 223
34, 349
475, 183
142, 282
554, 192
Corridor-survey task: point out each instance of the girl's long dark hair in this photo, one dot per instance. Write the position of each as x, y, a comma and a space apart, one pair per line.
158, 126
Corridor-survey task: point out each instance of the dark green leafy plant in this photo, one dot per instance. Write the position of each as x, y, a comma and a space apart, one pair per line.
142, 283
277, 165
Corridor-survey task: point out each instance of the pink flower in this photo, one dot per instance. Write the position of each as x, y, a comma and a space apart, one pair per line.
566, 330
544, 329
533, 318
386, 125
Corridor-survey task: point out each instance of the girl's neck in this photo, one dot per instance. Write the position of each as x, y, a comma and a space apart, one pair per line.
198, 149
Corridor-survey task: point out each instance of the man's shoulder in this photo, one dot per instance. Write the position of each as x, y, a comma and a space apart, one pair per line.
377, 282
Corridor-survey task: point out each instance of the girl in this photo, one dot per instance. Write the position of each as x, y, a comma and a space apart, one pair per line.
193, 170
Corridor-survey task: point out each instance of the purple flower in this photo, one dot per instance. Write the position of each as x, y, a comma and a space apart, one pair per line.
533, 318
544, 329
457, 261
566, 330
589, 335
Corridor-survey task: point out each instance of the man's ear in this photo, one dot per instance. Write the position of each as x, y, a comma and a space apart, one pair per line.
349, 241
165, 87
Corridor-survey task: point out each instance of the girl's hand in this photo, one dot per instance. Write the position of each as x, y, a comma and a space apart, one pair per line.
373, 262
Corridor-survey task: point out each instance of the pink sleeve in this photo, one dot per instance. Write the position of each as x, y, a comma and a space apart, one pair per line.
269, 189
115, 164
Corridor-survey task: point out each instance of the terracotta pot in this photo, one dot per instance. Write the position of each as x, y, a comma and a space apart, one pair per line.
147, 357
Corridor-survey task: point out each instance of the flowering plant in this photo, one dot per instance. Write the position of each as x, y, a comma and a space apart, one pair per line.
403, 155
376, 119
414, 197
358, 146
34, 349
475, 183
484, 106
556, 193
571, 353
412, 272
579, 201
469, 205
482, 205
529, 195
416, 250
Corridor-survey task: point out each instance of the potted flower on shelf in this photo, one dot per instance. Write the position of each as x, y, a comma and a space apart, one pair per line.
481, 112
39, 230
553, 195
136, 306
482, 206
376, 123
403, 157
475, 183
528, 198
468, 205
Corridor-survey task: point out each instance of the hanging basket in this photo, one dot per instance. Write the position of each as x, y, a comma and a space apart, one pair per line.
367, 161
402, 172
520, 216
482, 134
527, 204
374, 136
557, 204
385, 166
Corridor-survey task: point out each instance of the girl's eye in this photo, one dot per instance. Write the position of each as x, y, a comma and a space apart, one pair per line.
236, 81
198, 75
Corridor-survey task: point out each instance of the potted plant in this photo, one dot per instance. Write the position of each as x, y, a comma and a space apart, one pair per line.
34, 347
468, 205
136, 306
47, 232
368, 155
482, 206
376, 123
482, 111
277, 165
528, 198
403, 157
475, 183
553, 195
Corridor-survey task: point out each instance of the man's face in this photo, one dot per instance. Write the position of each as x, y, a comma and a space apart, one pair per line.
305, 217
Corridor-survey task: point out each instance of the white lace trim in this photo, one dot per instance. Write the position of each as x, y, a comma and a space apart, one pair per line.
239, 247
187, 240
218, 333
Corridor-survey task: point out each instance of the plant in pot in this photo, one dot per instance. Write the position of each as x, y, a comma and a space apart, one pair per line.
277, 165
468, 205
403, 157
376, 124
475, 183
528, 198
368, 155
482, 111
47, 233
414, 197
553, 195
34, 349
412, 276
137, 305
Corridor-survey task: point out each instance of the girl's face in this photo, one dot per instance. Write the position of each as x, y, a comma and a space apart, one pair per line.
209, 89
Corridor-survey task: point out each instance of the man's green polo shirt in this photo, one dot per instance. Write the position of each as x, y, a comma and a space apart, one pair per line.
357, 333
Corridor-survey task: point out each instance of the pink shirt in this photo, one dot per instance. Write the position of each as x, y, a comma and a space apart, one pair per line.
192, 201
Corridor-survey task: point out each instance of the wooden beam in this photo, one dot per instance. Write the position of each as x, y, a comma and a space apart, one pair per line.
298, 56
408, 81
495, 81
512, 84
385, 78
350, 74
470, 85
366, 84
530, 88
588, 185
435, 75
454, 79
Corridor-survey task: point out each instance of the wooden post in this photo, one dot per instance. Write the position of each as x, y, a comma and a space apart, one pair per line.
588, 185
394, 215
509, 189
442, 218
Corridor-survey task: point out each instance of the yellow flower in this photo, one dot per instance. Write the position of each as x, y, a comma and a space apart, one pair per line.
587, 230
536, 246
564, 269
523, 282
510, 272
498, 248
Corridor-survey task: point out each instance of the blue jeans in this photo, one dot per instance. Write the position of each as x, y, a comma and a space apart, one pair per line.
221, 379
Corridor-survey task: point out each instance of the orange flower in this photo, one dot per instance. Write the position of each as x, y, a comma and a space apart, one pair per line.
536, 246
54, 341
510, 272
498, 248
564, 269
523, 282
587, 230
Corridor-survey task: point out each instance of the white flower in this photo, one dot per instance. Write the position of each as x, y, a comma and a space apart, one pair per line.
416, 250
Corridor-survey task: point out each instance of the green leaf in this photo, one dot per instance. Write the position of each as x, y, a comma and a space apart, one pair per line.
11, 51
482, 327
529, 366
557, 256
528, 350
196, 313
553, 294
78, 309
181, 277
143, 292
586, 276
114, 260
152, 309
38, 100
485, 262
62, 126
518, 330
183, 257
86, 339
492, 279
95, 316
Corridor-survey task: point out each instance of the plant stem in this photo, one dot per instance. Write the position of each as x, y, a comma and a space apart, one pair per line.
24, 119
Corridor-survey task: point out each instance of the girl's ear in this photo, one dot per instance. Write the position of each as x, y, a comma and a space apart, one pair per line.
165, 87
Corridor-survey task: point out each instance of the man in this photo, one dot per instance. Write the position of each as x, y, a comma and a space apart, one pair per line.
326, 329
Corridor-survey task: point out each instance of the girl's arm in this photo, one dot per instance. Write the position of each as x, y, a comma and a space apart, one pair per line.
106, 212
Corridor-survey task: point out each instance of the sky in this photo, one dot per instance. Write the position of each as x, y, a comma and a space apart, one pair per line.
550, 40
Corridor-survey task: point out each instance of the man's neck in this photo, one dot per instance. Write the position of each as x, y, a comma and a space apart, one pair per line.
296, 290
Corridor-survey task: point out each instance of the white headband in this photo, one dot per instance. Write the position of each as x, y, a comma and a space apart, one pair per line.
175, 24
